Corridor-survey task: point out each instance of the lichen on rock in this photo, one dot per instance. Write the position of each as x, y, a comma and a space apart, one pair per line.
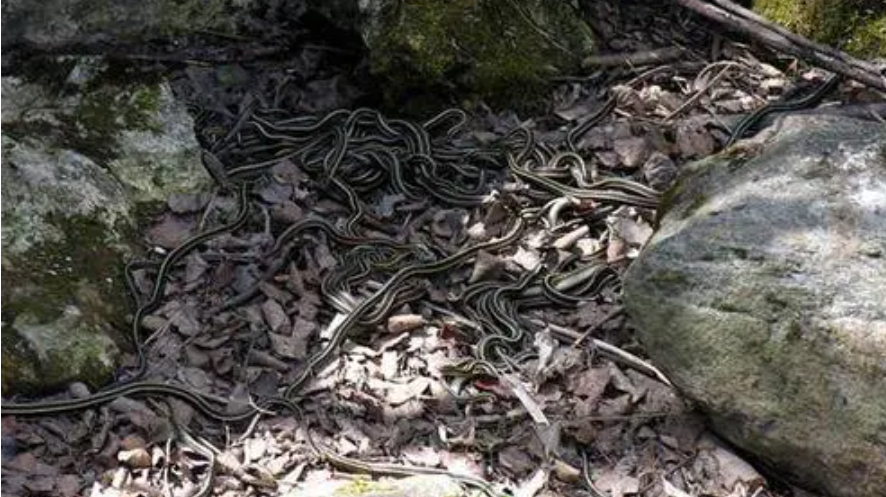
86, 147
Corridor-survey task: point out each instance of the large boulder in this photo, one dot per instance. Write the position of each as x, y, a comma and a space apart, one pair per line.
83, 154
762, 295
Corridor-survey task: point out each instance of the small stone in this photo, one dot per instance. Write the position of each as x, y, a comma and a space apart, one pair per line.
79, 390
135, 458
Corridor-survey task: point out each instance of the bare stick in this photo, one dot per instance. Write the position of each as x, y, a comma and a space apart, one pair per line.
819, 55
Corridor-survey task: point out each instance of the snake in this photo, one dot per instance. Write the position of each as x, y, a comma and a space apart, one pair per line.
352, 154
806, 101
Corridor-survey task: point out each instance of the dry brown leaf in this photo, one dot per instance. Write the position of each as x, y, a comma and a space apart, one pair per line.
421, 456
254, 449
671, 491
171, 231
67, 485
486, 267
534, 484
390, 361
275, 317
516, 460
632, 152
291, 347
398, 393
526, 259
591, 383
733, 470
462, 464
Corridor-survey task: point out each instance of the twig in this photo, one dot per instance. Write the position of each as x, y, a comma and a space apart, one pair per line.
614, 352
691, 101
633, 59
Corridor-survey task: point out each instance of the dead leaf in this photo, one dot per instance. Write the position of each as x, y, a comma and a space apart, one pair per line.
171, 231
526, 259
186, 320
291, 347
27, 463
398, 393
390, 361
402, 323
590, 383
660, 171
286, 212
40, 485
184, 203
486, 267
254, 449
630, 228
67, 485
632, 152
733, 470
276, 317
421, 456
617, 481
273, 192
197, 378
462, 464
534, 484
130, 442
671, 491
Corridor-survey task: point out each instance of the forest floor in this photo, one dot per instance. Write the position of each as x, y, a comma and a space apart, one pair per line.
580, 413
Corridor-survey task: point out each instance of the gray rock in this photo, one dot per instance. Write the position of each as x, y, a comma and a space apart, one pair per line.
54, 24
79, 160
763, 297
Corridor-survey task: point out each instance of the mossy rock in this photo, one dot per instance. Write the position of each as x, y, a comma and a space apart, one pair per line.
858, 26
86, 148
761, 296
54, 24
428, 54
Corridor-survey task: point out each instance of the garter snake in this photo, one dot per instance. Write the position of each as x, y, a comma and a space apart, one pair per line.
615, 190
136, 388
353, 318
397, 470
803, 102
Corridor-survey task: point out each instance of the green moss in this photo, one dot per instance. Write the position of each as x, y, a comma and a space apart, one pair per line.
667, 278
38, 357
63, 295
500, 51
858, 26
115, 98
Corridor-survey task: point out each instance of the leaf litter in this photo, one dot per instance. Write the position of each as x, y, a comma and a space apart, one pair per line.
385, 397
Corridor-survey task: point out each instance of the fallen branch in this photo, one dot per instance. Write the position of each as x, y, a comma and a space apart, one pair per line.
747, 22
